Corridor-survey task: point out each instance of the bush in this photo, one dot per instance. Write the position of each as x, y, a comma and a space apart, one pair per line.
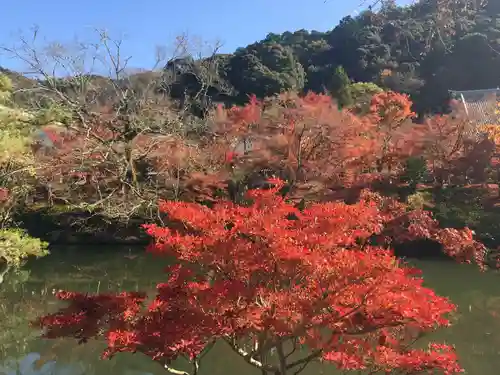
15, 248
5, 89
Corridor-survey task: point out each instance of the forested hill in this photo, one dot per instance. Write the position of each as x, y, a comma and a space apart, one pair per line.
422, 50
401, 48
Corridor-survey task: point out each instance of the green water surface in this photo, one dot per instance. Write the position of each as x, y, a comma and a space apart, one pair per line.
476, 332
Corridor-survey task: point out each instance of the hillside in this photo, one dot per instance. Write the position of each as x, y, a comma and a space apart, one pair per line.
398, 48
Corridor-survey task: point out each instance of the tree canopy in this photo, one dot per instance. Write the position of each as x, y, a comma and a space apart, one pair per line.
406, 49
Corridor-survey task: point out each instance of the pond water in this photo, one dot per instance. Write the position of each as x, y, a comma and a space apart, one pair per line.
476, 332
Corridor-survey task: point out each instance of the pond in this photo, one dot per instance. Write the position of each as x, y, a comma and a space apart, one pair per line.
476, 332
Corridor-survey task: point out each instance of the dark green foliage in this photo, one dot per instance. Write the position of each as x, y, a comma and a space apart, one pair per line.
415, 171
265, 69
458, 207
341, 88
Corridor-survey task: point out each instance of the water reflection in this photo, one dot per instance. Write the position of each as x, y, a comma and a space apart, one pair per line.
34, 364
476, 331
24, 296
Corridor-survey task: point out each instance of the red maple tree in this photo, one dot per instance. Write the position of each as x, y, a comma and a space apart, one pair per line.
282, 287
319, 150
390, 119
304, 140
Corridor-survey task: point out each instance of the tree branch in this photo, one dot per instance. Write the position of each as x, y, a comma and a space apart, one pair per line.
248, 357
315, 354
175, 371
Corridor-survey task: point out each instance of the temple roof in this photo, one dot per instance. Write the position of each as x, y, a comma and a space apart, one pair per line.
481, 106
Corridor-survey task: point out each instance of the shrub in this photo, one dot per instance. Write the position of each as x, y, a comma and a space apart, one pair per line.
16, 246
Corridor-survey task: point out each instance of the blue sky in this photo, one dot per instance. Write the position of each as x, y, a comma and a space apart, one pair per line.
145, 24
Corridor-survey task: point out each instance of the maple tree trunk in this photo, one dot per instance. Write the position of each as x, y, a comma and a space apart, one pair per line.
281, 358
